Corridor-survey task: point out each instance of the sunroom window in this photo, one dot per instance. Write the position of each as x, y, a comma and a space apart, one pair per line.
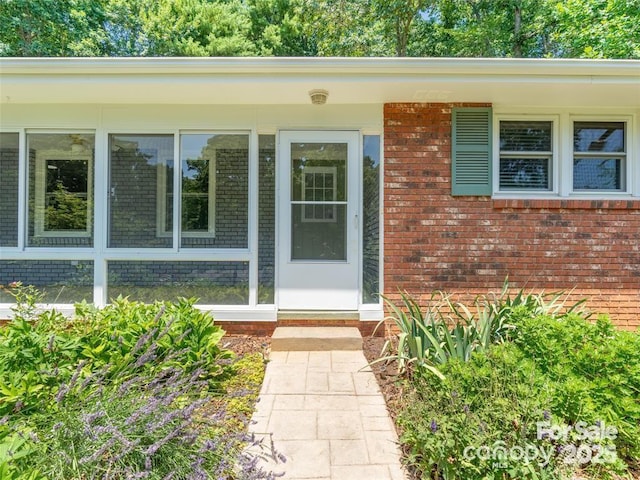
526, 155
60, 189
138, 164
599, 156
212, 193
9, 167
214, 182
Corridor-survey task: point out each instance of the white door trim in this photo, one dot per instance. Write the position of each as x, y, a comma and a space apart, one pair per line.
317, 284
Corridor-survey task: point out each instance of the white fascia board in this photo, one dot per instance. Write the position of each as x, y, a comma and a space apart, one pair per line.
281, 81
318, 65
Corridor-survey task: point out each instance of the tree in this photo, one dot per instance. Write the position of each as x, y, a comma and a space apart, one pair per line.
483, 28
596, 28
456, 28
277, 28
44, 28
346, 28
399, 16
197, 28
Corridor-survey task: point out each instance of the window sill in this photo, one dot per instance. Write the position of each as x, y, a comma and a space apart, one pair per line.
568, 204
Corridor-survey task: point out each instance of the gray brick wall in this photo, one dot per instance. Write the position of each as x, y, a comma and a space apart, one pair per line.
133, 191
9, 157
211, 282
61, 281
266, 219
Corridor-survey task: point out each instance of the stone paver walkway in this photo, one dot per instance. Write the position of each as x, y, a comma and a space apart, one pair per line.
328, 417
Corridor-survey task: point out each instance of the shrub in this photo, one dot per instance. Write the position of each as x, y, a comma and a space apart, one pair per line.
595, 369
570, 373
492, 402
129, 391
447, 330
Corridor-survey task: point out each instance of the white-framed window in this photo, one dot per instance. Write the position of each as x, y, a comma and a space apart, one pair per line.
564, 154
319, 186
599, 156
61, 190
527, 155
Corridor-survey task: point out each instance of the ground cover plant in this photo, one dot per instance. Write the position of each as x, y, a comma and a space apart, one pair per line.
129, 391
550, 394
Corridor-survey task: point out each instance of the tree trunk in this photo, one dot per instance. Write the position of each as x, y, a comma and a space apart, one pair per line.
517, 32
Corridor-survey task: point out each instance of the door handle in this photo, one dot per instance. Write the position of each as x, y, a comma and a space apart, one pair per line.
355, 221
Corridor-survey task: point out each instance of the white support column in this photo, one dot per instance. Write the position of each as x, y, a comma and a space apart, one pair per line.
23, 161
177, 192
100, 216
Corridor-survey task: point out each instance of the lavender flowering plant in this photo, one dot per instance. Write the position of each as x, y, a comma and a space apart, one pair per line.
130, 391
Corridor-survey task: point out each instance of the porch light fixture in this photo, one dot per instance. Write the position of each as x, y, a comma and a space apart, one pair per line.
318, 97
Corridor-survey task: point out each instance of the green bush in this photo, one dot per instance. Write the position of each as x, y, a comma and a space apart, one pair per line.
595, 369
447, 330
567, 372
492, 401
128, 391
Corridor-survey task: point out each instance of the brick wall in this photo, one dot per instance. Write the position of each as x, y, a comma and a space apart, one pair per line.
266, 219
469, 245
61, 281
9, 156
224, 283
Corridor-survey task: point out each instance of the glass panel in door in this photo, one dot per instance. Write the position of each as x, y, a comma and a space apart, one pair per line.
319, 201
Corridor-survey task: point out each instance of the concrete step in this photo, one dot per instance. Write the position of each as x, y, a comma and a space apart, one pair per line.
315, 339
317, 315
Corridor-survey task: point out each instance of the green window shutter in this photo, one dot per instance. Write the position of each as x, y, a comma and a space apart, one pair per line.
471, 172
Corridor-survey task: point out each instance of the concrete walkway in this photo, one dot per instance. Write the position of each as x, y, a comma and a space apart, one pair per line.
327, 417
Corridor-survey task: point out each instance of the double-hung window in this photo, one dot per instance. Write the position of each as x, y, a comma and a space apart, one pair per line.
526, 156
599, 157
319, 186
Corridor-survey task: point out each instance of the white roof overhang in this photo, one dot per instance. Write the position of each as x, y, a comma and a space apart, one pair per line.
267, 81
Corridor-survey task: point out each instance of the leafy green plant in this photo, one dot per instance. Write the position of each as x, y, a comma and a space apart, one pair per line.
452, 427
556, 367
426, 340
129, 391
447, 330
15, 446
507, 309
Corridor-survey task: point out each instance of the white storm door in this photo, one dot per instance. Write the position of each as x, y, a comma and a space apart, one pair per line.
318, 258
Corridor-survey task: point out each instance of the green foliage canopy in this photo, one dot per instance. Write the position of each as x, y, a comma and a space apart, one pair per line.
454, 28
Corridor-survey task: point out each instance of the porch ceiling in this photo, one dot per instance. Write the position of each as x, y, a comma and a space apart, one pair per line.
269, 81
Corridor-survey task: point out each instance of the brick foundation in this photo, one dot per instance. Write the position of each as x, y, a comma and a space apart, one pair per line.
267, 328
469, 245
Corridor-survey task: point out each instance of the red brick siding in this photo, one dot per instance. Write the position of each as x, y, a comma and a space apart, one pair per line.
469, 245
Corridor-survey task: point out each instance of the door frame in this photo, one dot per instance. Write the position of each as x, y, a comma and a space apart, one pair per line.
285, 137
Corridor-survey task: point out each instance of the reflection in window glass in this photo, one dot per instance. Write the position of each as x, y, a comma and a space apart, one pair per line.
9, 159
371, 219
599, 156
212, 283
60, 189
140, 182
319, 195
60, 281
215, 190
525, 155
266, 218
